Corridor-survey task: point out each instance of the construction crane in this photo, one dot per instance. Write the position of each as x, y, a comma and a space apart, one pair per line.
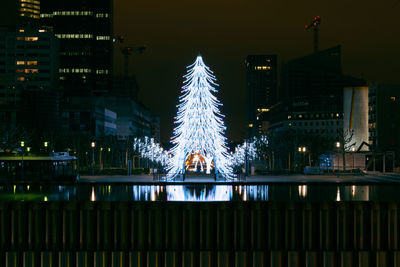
315, 24
127, 51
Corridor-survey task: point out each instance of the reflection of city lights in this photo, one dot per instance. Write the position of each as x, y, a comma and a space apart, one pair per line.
302, 191
92, 196
338, 194
153, 194
353, 191
183, 193
244, 196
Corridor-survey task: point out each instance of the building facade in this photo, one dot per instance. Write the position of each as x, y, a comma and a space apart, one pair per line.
19, 12
317, 104
89, 119
85, 30
28, 62
384, 118
261, 87
355, 116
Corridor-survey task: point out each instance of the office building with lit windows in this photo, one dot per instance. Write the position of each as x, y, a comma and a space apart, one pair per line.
261, 88
28, 62
19, 12
318, 102
384, 118
85, 32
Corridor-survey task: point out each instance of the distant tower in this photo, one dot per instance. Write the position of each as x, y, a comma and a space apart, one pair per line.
261, 86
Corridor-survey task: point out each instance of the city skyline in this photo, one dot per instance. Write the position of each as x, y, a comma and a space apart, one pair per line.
231, 31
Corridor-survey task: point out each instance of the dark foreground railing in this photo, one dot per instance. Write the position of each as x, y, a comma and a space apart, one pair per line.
193, 234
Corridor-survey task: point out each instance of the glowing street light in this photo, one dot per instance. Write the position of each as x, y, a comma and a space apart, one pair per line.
22, 160
93, 145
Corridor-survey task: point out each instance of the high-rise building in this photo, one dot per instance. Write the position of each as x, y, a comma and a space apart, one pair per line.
384, 118
19, 12
261, 87
28, 62
317, 103
311, 94
85, 30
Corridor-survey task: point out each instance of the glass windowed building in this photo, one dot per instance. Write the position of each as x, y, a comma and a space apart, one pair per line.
85, 32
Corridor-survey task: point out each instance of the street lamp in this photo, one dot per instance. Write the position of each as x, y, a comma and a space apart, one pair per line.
303, 149
338, 148
101, 159
45, 144
22, 160
152, 157
93, 145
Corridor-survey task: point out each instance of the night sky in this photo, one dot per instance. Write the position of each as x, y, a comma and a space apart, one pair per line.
225, 32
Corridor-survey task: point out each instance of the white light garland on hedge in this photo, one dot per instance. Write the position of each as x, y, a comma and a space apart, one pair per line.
249, 149
147, 148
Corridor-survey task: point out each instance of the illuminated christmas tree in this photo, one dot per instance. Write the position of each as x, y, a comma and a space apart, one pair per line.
199, 131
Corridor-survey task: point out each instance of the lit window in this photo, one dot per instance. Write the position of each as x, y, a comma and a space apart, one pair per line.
250, 125
262, 67
31, 39
74, 36
393, 98
102, 38
102, 15
21, 30
31, 71
20, 62
21, 79
31, 62
101, 71
72, 13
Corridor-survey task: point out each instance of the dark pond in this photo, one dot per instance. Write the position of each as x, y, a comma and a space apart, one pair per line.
201, 192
